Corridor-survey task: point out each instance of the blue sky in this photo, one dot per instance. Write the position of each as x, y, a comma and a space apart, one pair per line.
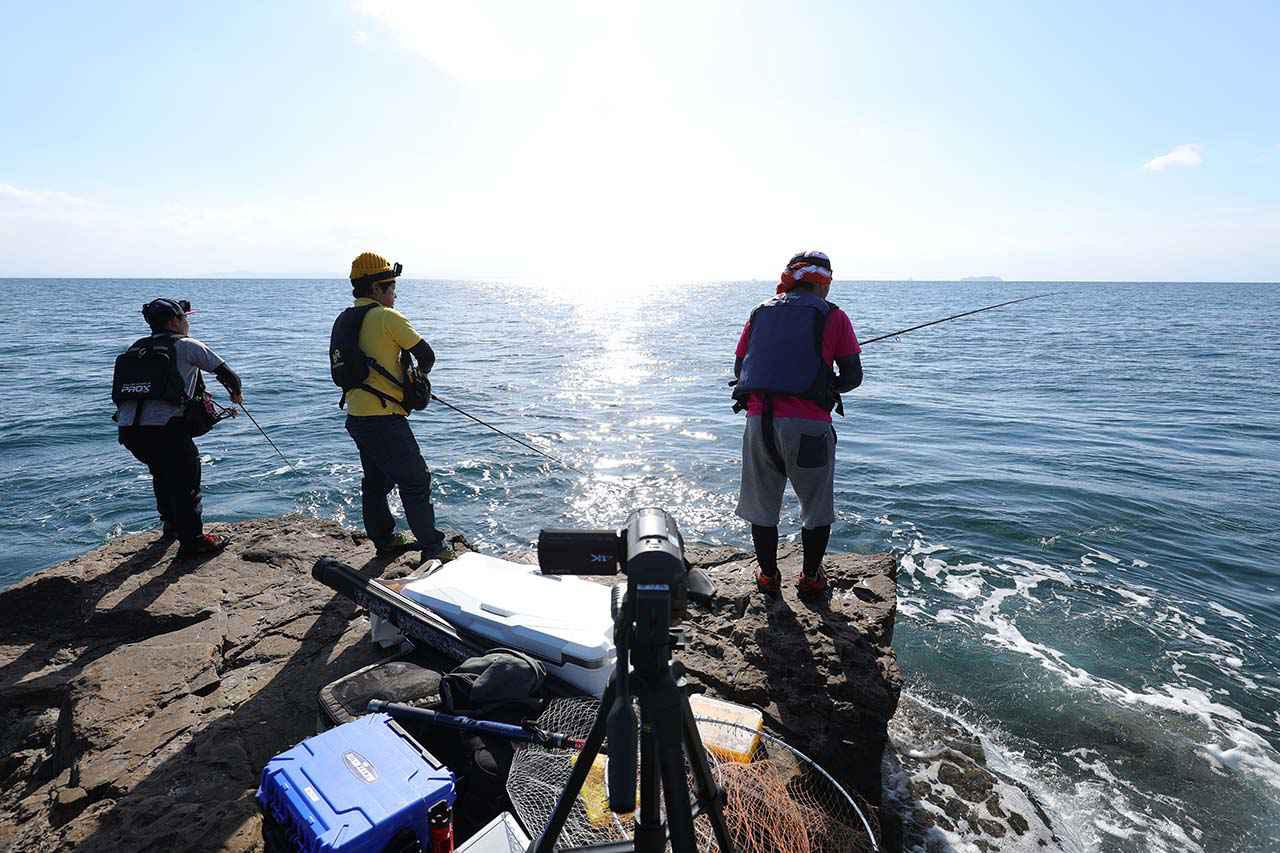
638, 143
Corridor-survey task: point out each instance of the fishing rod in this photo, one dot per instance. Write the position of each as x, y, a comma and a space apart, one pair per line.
958, 316
268, 438
527, 732
506, 434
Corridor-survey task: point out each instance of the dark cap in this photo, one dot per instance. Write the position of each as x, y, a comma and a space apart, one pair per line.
157, 312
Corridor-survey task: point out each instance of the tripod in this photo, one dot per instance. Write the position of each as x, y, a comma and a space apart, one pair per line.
642, 622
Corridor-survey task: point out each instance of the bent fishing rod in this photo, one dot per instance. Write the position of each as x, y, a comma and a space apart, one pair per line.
505, 434
958, 316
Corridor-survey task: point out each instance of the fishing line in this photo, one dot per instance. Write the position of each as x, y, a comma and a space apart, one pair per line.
268, 438
506, 434
957, 316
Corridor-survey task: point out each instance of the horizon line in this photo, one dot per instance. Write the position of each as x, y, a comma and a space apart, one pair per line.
507, 280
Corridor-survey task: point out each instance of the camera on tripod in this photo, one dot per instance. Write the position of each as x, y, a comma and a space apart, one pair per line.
650, 552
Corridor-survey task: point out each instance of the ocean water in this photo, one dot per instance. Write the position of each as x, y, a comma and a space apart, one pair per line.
1081, 491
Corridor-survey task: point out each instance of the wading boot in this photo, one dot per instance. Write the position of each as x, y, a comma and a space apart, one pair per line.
812, 586
203, 546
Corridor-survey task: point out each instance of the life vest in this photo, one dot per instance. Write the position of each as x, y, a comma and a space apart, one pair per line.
350, 366
784, 351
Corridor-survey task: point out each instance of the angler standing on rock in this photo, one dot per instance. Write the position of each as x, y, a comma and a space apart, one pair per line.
787, 385
369, 359
161, 405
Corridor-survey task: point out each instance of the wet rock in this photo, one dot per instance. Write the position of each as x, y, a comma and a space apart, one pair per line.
933, 769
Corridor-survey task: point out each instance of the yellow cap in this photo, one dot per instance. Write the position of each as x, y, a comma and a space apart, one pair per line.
367, 263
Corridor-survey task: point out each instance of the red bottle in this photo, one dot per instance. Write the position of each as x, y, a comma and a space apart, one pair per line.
440, 819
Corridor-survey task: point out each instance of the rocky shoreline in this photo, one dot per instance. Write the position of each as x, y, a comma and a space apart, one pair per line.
140, 695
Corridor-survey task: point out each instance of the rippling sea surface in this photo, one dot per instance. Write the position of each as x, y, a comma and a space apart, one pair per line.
1083, 492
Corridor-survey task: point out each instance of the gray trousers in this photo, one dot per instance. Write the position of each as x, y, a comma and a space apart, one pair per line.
808, 450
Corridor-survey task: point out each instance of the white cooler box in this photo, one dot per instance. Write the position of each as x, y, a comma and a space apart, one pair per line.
563, 621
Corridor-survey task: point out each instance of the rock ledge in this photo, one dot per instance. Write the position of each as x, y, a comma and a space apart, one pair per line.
141, 695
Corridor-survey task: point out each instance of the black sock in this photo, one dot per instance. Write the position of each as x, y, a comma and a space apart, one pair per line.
766, 541
815, 547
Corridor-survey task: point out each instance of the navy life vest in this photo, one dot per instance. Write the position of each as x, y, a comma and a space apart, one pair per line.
784, 351
349, 366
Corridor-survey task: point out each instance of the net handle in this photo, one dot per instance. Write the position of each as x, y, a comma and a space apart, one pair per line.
871, 836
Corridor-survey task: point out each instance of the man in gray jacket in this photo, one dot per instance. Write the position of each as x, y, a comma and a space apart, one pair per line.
156, 385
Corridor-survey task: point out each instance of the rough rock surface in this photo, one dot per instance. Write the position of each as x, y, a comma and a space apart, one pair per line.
945, 797
141, 695
823, 671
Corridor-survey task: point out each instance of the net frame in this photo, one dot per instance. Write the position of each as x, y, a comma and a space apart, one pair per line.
539, 774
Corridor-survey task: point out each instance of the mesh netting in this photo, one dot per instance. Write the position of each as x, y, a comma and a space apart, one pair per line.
776, 798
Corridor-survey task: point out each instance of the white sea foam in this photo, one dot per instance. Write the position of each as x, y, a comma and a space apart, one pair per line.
1103, 555
1231, 614
933, 567
1141, 564
909, 610
908, 565
918, 547
963, 586
1112, 829
1140, 600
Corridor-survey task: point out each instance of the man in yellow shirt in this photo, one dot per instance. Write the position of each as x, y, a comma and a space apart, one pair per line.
377, 410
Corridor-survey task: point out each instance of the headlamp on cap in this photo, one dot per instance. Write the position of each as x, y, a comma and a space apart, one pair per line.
382, 275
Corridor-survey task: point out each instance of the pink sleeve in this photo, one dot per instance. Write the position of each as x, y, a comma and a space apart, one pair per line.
838, 338
743, 340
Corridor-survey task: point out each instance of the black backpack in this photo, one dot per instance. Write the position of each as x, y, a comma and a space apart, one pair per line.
503, 683
349, 366
148, 370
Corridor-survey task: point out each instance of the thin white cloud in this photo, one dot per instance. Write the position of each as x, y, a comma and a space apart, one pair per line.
1182, 155
360, 37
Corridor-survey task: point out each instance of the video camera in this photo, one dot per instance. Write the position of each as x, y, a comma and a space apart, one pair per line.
648, 550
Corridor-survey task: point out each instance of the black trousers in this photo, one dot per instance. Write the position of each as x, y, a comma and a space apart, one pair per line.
390, 458
174, 462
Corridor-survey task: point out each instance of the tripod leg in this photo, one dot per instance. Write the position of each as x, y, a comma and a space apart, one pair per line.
651, 833
546, 842
709, 792
664, 711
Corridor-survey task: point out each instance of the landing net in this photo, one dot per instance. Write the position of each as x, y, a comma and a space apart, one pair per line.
776, 798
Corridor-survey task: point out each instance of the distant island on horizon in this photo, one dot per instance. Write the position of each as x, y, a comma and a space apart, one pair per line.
990, 278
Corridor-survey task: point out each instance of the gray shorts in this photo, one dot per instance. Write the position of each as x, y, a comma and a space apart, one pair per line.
809, 450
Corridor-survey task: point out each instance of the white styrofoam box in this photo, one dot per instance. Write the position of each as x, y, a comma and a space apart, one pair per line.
563, 621
503, 834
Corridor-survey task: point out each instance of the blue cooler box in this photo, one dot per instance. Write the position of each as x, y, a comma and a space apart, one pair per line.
356, 788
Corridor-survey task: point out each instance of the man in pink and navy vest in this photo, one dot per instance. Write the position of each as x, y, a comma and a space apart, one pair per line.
796, 355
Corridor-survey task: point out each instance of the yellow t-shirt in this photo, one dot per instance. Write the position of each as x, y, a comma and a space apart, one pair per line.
384, 334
